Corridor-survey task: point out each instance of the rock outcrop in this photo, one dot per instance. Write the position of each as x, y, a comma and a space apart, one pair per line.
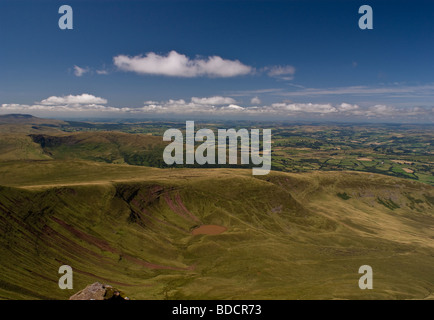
99, 291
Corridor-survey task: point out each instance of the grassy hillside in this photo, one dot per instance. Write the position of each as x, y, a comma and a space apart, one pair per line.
287, 235
110, 147
20, 147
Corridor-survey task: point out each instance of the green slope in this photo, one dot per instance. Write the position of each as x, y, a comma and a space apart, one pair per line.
289, 236
110, 147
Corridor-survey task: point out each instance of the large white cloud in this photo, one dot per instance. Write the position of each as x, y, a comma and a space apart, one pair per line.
179, 65
175, 64
84, 98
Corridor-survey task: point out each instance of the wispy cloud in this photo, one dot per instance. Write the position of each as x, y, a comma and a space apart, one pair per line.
178, 65
281, 72
246, 93
80, 71
104, 72
396, 94
394, 90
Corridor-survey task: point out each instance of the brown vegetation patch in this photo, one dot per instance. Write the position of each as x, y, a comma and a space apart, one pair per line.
402, 162
179, 208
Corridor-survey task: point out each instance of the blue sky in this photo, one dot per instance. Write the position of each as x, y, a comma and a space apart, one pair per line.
235, 59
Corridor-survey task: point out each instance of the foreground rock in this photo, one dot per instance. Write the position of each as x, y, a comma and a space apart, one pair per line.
99, 291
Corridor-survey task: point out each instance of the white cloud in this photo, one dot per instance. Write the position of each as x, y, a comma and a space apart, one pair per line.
66, 104
302, 108
87, 104
216, 100
347, 107
255, 100
202, 106
80, 71
70, 108
284, 109
281, 72
233, 107
179, 65
71, 99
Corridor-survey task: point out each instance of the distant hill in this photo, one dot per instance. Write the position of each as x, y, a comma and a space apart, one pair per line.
105, 146
17, 118
15, 144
